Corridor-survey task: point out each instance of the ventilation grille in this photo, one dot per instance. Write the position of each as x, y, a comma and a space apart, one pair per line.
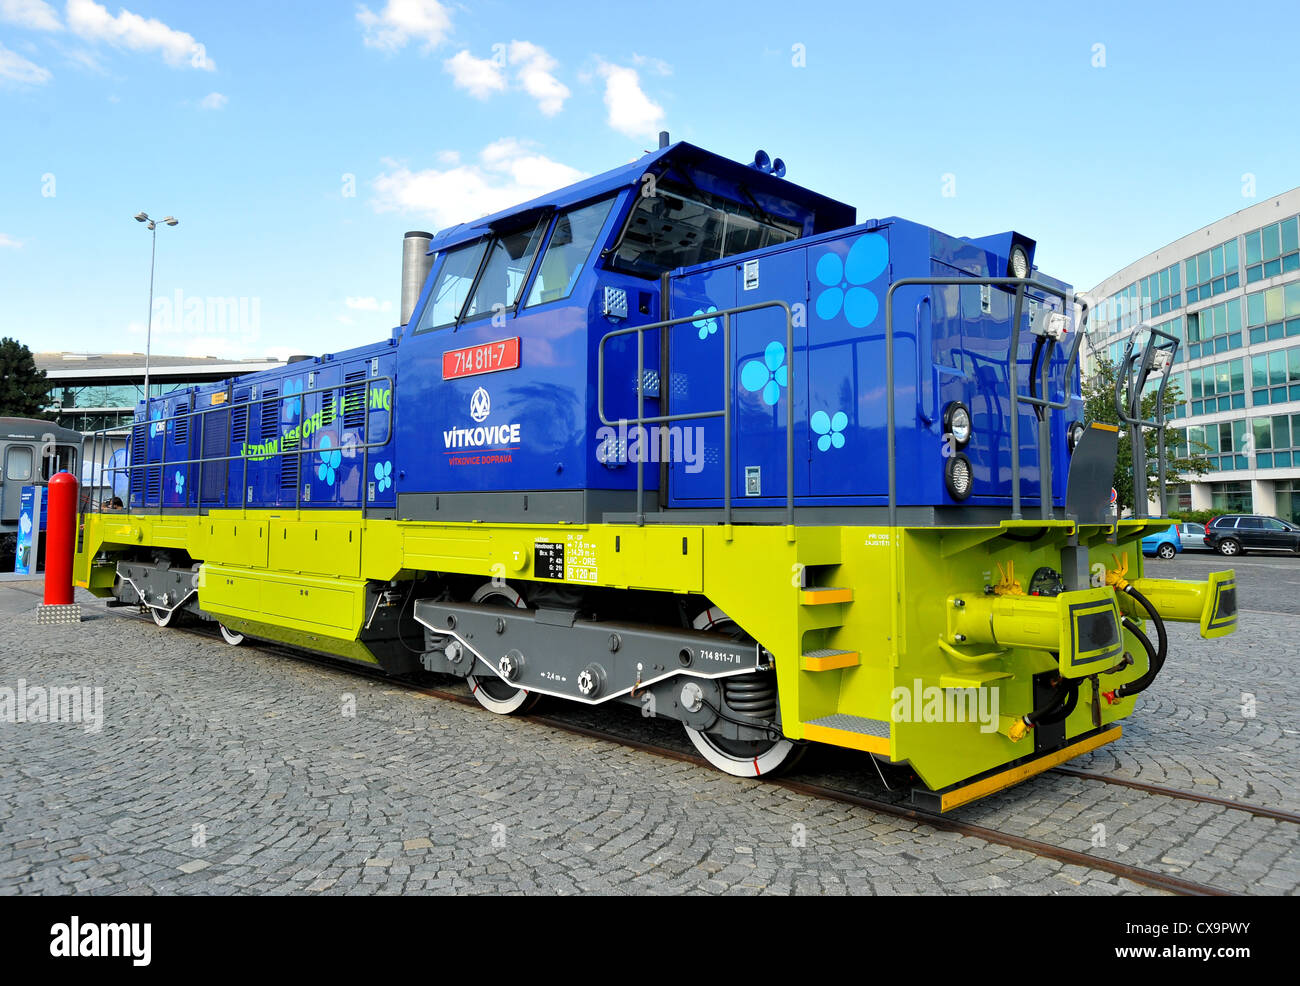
182, 424
354, 400
290, 463
327, 408
153, 484
270, 417
239, 422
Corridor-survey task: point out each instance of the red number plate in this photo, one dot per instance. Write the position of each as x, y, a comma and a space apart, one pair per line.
486, 358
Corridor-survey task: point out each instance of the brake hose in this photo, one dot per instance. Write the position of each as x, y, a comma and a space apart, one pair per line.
1154, 663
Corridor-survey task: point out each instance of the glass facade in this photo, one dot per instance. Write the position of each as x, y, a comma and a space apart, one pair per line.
1236, 309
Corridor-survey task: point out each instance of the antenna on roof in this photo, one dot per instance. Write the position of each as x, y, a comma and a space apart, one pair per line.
663, 139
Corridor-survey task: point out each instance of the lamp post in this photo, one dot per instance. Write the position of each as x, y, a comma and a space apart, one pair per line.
152, 226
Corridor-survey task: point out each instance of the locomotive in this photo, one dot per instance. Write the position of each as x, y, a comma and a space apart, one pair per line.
688, 436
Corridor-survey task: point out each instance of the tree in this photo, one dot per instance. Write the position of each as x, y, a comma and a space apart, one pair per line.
23, 388
1099, 405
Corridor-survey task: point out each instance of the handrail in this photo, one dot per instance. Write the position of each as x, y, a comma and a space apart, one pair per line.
101, 436
724, 413
1128, 405
1068, 298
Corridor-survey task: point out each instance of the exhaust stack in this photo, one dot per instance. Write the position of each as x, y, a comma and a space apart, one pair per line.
415, 268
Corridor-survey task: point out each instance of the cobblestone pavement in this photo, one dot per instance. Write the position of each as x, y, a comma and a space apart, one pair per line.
225, 770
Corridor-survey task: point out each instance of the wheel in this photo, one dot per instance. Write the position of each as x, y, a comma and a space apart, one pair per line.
163, 617
491, 691
230, 636
1229, 546
1165, 550
741, 758
747, 758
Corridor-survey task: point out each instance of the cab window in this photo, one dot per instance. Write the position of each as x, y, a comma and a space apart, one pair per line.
677, 228
566, 254
452, 286
509, 260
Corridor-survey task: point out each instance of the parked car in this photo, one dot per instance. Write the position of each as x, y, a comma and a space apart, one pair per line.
1235, 534
1192, 536
1163, 544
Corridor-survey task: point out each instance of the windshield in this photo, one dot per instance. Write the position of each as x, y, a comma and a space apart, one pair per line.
675, 227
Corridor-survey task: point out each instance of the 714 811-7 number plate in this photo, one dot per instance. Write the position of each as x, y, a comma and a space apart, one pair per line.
487, 357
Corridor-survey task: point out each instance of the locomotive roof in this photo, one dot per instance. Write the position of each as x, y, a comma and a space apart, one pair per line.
766, 189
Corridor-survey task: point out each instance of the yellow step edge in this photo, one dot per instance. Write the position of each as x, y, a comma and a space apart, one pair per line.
844, 737
1007, 778
825, 595
829, 660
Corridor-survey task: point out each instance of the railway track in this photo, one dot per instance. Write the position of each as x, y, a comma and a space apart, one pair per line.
946, 823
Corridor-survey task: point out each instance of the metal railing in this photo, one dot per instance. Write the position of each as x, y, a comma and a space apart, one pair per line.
1068, 299
725, 413
99, 441
1129, 390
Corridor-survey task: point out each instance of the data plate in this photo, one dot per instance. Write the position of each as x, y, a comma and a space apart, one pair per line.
485, 358
549, 559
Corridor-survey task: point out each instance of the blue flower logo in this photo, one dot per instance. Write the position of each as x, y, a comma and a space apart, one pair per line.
292, 404
768, 375
179, 482
158, 426
843, 281
330, 458
831, 429
384, 475
706, 325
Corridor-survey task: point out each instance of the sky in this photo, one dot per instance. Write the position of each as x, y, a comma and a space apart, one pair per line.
297, 141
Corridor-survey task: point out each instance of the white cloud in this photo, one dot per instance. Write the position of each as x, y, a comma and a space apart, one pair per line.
480, 77
402, 21
508, 172
16, 68
368, 304
656, 65
533, 68
213, 101
37, 15
127, 30
631, 111
8, 241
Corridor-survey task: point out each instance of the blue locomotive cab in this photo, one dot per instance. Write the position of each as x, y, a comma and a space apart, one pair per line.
768, 383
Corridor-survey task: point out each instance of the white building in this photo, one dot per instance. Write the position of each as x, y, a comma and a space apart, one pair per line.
1231, 293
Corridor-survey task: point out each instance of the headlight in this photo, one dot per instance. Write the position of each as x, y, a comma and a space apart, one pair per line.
1019, 265
956, 422
958, 477
1074, 435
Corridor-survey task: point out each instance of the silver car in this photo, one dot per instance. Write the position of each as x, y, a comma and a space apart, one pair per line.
1192, 536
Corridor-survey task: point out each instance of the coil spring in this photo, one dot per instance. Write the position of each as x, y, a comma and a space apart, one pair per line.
753, 695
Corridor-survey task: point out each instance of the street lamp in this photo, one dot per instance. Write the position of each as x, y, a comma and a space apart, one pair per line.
152, 226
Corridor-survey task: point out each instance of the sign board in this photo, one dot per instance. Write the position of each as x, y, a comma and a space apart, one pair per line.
487, 357
31, 522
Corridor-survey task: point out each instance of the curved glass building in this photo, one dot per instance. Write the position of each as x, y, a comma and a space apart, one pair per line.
1231, 293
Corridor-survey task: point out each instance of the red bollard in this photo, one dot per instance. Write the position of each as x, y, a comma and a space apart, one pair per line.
60, 538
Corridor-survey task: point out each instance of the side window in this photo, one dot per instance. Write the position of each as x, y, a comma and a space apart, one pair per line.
1274, 525
507, 268
452, 287
575, 234
1250, 524
18, 463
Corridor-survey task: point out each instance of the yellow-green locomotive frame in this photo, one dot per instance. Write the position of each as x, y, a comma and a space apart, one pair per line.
877, 635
